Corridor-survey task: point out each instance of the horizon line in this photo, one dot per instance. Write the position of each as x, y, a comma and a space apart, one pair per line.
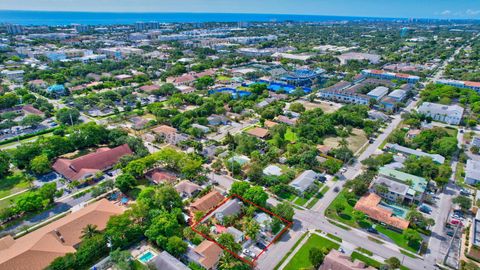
251, 13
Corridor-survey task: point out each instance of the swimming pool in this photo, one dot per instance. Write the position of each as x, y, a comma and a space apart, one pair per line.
147, 256
397, 210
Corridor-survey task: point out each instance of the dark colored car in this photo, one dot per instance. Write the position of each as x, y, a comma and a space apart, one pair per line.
372, 230
261, 245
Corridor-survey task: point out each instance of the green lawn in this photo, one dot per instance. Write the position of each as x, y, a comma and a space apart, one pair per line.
366, 251
300, 259
347, 214
290, 251
291, 136
300, 201
313, 202
396, 237
367, 260
12, 184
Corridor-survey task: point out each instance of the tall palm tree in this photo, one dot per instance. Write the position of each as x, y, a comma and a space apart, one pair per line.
89, 231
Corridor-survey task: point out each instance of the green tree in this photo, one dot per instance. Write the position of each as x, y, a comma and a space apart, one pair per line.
413, 237
125, 182
40, 164
285, 210
122, 259
68, 116
252, 228
4, 163
393, 263
297, 107
257, 195
463, 201
315, 256
239, 188
90, 231
176, 246
31, 120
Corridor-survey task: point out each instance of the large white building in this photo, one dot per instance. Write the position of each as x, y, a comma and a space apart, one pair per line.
449, 114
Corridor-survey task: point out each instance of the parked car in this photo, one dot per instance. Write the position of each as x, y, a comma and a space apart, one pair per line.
372, 230
260, 245
425, 209
336, 189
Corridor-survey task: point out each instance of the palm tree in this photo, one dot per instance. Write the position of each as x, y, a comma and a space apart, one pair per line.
89, 231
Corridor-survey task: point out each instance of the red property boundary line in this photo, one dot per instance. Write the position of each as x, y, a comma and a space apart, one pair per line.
251, 263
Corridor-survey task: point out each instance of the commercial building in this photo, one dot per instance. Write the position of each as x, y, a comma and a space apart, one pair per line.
378, 93
88, 165
461, 84
13, 75
37, 249
342, 92
449, 114
409, 151
381, 74
372, 58
472, 172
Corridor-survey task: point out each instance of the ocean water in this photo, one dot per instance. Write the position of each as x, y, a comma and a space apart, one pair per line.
107, 18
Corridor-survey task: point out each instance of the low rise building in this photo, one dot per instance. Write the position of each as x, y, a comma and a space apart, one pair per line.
449, 114
88, 165
461, 84
381, 74
37, 249
232, 207
409, 151
207, 254
378, 93
207, 202
304, 181
335, 260
165, 261
472, 172
369, 204
402, 187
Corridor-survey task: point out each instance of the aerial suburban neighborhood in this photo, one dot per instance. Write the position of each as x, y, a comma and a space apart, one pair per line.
273, 143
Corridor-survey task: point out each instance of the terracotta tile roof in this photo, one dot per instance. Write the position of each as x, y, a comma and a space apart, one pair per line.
102, 159
32, 110
258, 132
474, 84
286, 120
39, 248
270, 124
149, 88
163, 129
368, 204
210, 253
207, 202
324, 149
160, 176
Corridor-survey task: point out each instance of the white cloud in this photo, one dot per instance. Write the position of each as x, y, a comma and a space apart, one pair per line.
472, 12
446, 12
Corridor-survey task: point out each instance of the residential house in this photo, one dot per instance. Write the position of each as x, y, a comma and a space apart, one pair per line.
472, 172
269, 124
304, 181
159, 176
272, 170
369, 204
336, 260
264, 220
138, 122
286, 120
187, 189
37, 249
169, 134
207, 202
204, 129
57, 89
165, 261
449, 114
232, 207
88, 165
258, 132
238, 235
409, 151
149, 88
207, 254
217, 120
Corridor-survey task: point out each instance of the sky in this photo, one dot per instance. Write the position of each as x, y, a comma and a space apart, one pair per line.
446, 9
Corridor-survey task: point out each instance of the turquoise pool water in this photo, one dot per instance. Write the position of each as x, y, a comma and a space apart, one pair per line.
397, 210
146, 257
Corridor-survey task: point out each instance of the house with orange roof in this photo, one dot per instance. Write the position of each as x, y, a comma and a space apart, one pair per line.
258, 132
37, 249
86, 166
207, 254
207, 202
369, 204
